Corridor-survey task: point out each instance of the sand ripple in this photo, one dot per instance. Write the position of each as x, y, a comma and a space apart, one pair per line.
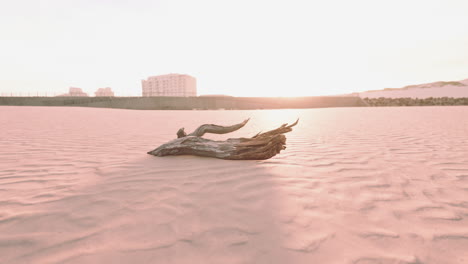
360, 185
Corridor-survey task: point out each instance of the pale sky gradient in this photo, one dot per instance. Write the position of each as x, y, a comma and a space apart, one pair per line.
240, 48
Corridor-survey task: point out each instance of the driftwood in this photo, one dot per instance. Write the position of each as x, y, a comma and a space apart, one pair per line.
259, 147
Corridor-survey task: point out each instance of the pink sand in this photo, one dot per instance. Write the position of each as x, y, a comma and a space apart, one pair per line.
355, 185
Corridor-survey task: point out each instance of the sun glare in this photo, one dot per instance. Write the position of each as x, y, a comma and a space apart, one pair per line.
243, 48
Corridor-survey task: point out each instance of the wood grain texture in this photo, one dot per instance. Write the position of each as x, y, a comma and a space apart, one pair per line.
259, 147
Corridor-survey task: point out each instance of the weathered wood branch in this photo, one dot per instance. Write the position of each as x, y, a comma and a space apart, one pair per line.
259, 147
210, 128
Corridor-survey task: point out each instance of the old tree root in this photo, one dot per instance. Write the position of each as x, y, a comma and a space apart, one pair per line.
259, 147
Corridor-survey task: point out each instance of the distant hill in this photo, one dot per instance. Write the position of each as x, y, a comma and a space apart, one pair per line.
436, 89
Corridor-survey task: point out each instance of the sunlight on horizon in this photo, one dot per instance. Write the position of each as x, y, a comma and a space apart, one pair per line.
242, 48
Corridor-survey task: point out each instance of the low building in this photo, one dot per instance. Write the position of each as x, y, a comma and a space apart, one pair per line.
104, 92
74, 91
181, 85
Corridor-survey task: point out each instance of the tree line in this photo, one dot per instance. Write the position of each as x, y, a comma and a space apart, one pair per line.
407, 101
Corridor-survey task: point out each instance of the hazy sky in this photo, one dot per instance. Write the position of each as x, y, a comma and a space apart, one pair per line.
240, 48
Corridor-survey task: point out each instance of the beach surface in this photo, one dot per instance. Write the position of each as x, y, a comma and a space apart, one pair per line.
355, 185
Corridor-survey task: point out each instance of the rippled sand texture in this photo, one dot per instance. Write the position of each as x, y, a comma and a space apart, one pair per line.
356, 185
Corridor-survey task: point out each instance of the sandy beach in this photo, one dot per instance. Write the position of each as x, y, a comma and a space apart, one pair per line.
355, 185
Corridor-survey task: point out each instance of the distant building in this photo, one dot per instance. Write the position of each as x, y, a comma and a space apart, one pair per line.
74, 91
169, 85
101, 92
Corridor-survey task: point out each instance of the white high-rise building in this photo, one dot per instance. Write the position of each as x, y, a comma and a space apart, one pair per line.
169, 85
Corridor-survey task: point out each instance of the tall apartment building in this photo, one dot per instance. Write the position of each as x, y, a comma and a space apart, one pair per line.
169, 85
